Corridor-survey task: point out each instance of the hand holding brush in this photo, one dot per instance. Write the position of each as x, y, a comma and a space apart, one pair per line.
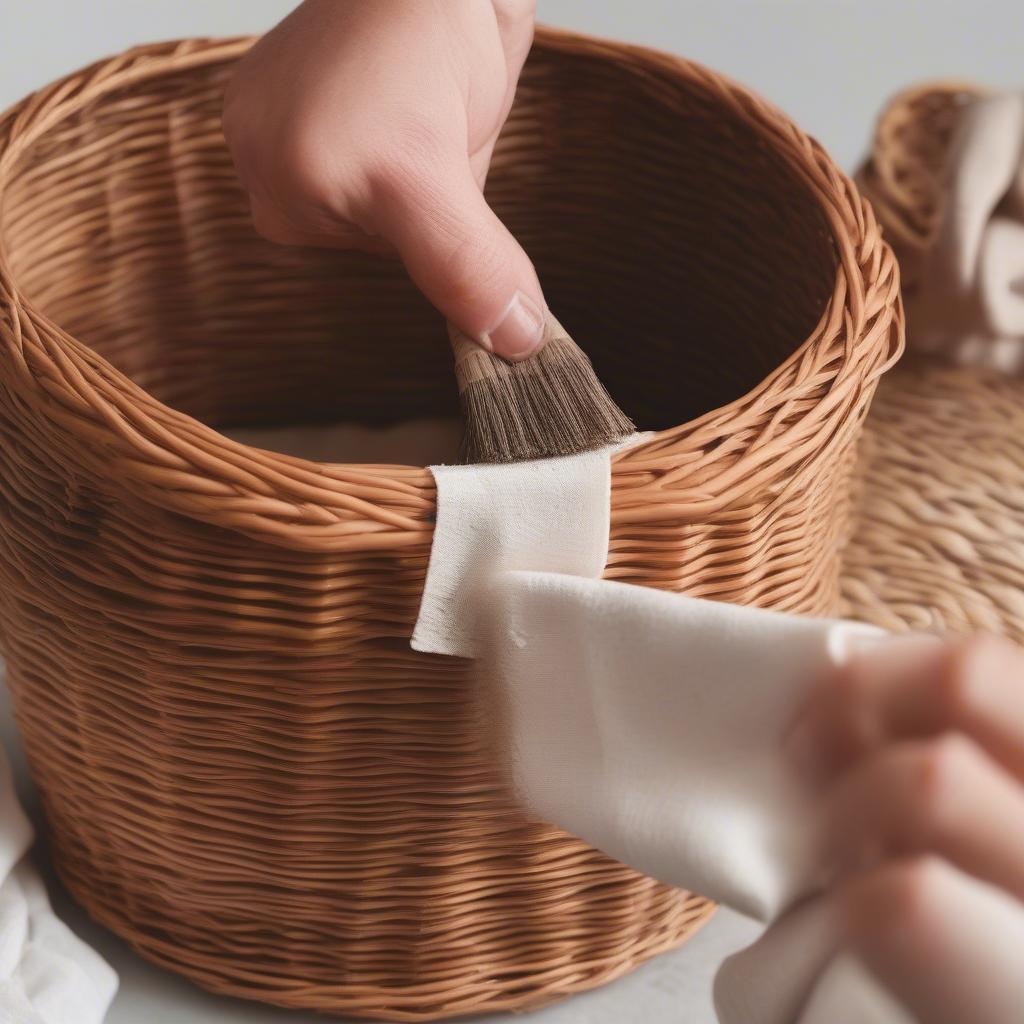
372, 126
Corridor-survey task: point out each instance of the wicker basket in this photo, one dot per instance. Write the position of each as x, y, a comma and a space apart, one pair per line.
905, 171
939, 543
247, 772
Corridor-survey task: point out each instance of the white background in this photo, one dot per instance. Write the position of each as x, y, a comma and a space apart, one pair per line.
829, 63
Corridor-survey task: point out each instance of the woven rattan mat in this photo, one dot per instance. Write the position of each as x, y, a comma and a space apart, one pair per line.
939, 536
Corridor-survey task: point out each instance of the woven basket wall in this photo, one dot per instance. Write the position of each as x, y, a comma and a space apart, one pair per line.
246, 771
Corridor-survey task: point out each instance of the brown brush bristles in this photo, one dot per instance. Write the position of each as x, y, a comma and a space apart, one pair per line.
549, 404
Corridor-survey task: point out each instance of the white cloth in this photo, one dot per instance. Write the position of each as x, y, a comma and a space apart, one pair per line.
15, 830
647, 723
549, 514
968, 303
686, 702
47, 975
651, 725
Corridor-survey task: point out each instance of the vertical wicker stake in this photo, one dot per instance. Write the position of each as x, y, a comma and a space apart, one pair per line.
549, 404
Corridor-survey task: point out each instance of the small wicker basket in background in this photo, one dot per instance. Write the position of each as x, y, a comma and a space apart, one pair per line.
904, 174
939, 543
247, 772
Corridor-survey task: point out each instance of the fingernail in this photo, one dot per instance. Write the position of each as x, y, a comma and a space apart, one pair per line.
519, 331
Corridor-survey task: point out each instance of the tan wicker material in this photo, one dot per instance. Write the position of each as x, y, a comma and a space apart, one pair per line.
939, 542
904, 173
246, 771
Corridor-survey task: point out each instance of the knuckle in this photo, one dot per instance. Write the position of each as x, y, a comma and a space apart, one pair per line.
898, 897
407, 161
917, 887
473, 270
850, 693
289, 166
271, 227
939, 771
422, 140
966, 671
305, 168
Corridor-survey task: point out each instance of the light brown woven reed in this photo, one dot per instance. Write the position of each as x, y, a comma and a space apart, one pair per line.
246, 771
939, 538
904, 173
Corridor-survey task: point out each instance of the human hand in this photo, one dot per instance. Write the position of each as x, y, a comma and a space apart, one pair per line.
920, 748
371, 126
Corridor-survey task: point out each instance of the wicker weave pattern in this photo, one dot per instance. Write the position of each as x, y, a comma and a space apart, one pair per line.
904, 175
247, 772
939, 539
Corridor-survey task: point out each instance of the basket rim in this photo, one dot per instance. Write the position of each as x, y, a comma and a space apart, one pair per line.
881, 176
174, 461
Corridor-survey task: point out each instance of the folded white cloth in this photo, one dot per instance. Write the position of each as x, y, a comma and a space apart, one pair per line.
968, 304
797, 971
549, 514
978, 935
47, 974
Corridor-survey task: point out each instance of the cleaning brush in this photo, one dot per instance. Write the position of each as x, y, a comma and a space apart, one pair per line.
549, 404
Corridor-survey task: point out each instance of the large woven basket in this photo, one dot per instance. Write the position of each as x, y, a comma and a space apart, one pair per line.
247, 772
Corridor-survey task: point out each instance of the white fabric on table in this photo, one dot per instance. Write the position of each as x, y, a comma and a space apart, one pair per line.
47, 975
15, 830
968, 304
846, 994
797, 971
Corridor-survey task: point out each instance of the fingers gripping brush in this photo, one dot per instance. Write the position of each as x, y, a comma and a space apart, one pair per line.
549, 404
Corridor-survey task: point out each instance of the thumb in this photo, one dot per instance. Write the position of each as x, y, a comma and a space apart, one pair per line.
464, 259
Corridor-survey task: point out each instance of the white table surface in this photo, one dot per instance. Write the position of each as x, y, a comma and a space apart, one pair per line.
675, 987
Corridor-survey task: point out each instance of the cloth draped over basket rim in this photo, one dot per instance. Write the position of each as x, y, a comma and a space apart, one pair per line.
747, 503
